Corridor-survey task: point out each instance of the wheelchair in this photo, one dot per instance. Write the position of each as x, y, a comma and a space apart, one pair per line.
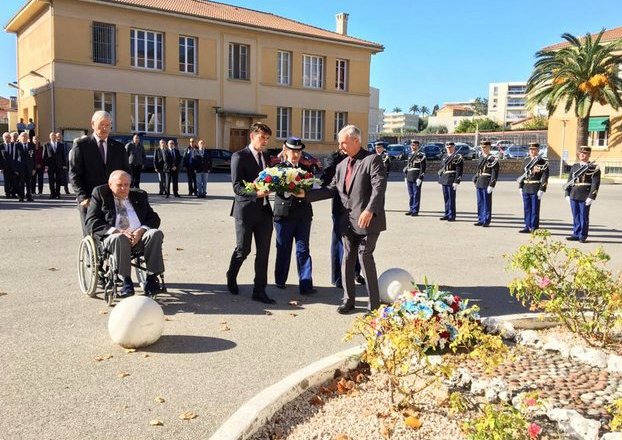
95, 268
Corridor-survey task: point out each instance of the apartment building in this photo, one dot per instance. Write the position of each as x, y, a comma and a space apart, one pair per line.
507, 102
400, 122
376, 114
450, 115
181, 69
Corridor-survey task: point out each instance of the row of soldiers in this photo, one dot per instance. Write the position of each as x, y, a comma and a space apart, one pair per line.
580, 189
23, 161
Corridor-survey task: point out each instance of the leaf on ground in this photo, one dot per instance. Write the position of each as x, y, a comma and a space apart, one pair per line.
224, 328
316, 400
342, 387
359, 378
103, 312
130, 350
156, 422
341, 437
146, 355
326, 390
223, 322
179, 249
294, 314
160, 399
294, 303
267, 312
167, 319
122, 374
3, 293
53, 269
386, 430
188, 415
410, 412
104, 357
412, 422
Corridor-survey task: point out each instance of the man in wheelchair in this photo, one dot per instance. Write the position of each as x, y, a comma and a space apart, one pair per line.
124, 223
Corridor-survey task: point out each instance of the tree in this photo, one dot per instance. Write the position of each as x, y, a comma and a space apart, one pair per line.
577, 76
435, 109
422, 124
483, 124
424, 111
480, 106
397, 110
414, 108
536, 123
435, 129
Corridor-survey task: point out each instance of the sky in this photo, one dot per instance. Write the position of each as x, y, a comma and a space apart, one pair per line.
435, 51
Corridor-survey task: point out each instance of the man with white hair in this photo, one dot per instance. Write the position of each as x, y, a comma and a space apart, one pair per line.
122, 220
93, 158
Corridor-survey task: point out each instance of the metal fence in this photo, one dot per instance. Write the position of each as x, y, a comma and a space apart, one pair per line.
516, 137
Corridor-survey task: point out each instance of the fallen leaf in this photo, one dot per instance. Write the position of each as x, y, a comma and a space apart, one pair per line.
223, 322
103, 312
160, 399
316, 400
130, 350
325, 390
3, 293
188, 415
103, 357
267, 312
386, 430
341, 437
332, 386
412, 422
167, 319
294, 314
156, 422
146, 355
179, 249
359, 378
337, 373
341, 386
225, 328
122, 374
53, 269
410, 412
294, 303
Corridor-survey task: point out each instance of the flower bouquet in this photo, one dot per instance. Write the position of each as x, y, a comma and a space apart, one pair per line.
282, 179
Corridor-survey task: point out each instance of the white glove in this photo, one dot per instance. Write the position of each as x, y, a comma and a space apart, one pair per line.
520, 190
588, 201
454, 186
418, 182
540, 194
489, 190
568, 199
405, 180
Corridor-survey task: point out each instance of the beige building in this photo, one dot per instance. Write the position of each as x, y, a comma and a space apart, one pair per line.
376, 114
450, 115
400, 122
171, 68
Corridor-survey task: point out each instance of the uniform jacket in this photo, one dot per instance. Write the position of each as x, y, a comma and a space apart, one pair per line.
367, 190
87, 168
586, 186
290, 208
451, 169
244, 168
415, 167
537, 177
102, 212
487, 172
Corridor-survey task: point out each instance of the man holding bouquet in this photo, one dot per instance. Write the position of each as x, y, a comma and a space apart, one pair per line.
252, 213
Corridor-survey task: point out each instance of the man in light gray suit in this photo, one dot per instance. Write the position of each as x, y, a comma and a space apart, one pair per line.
361, 181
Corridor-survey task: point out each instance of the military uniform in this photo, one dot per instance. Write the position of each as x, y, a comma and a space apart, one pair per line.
485, 180
584, 182
533, 185
415, 172
449, 177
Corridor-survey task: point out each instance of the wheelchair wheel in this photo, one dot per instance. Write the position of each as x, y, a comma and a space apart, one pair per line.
87, 266
141, 272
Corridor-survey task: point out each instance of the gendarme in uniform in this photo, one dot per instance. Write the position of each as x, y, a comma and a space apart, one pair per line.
449, 177
415, 172
532, 185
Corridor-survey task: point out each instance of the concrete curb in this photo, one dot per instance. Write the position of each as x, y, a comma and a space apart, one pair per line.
258, 410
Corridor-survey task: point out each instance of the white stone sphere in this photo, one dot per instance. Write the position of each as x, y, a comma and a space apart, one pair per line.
136, 322
392, 283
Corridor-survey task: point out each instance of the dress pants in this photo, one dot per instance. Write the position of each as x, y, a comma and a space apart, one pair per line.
449, 195
286, 232
192, 181
36, 182
414, 197
54, 179
23, 186
120, 250
9, 182
135, 171
172, 177
336, 255
580, 218
260, 228
162, 181
531, 208
356, 246
484, 206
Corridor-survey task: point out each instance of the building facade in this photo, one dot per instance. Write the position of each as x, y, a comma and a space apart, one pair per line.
176, 69
400, 123
450, 115
376, 114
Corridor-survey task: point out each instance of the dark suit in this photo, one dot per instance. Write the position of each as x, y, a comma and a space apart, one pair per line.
191, 169
253, 217
136, 158
54, 159
366, 192
23, 166
172, 161
158, 163
6, 160
88, 170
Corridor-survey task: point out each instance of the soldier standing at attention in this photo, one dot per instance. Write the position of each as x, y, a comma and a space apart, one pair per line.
449, 176
532, 185
581, 189
386, 160
485, 179
414, 171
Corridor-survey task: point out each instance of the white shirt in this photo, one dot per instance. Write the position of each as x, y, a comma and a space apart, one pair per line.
131, 215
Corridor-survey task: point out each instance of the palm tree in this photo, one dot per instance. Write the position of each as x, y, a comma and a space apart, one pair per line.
414, 108
397, 110
425, 111
577, 76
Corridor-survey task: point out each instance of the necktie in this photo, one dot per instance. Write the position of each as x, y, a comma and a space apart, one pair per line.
349, 173
261, 164
124, 220
102, 152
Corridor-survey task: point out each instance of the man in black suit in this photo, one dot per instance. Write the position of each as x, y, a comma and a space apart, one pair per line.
24, 165
158, 164
252, 213
361, 181
190, 164
6, 163
54, 158
64, 173
93, 158
123, 220
136, 157
172, 161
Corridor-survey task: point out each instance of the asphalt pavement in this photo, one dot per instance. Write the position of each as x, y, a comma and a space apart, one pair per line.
219, 350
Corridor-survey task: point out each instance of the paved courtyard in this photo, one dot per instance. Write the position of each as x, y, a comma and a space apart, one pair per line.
218, 350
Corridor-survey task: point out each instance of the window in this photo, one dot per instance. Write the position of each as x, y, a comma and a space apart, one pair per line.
341, 76
283, 68
146, 49
312, 71
283, 118
104, 43
104, 101
238, 61
187, 116
148, 113
341, 120
312, 125
598, 131
187, 54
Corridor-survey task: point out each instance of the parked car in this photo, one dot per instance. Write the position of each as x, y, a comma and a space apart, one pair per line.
502, 143
516, 152
465, 150
432, 151
397, 151
307, 162
496, 151
544, 150
221, 159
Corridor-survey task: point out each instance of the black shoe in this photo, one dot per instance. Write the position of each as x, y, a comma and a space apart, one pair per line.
21, 199
478, 224
152, 286
166, 196
485, 225
232, 285
280, 286
310, 291
414, 214
30, 199
572, 238
583, 240
408, 213
177, 195
359, 279
262, 297
127, 289
524, 231
338, 285
451, 219
345, 308
444, 218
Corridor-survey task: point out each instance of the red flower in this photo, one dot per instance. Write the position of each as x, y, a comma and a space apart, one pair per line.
298, 178
292, 185
445, 335
267, 179
308, 175
534, 430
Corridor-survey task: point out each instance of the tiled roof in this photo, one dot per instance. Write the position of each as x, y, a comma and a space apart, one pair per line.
610, 35
245, 17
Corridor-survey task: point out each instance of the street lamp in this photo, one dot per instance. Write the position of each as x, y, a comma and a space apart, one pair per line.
52, 113
217, 110
561, 156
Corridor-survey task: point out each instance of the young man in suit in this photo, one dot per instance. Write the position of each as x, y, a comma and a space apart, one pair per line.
252, 213
93, 158
361, 181
123, 220
54, 158
172, 162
